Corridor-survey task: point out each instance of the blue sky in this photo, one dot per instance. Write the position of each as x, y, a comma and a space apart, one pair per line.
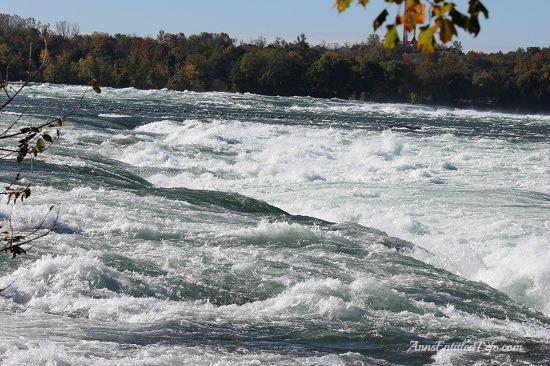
512, 23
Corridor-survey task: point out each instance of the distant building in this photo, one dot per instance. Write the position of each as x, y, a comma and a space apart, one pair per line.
406, 43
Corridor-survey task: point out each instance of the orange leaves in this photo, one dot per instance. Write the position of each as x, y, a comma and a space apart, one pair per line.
446, 29
443, 21
414, 14
445, 25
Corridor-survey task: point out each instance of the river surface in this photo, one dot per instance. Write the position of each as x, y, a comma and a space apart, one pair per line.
238, 229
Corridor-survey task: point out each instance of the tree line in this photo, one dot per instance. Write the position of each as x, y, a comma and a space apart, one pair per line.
518, 80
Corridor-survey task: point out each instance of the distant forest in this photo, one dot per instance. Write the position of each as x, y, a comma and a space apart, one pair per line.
516, 81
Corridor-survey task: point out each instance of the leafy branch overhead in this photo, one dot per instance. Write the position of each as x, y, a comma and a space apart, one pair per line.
436, 17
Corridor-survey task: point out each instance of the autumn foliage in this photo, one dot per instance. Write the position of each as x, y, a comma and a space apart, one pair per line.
443, 20
516, 80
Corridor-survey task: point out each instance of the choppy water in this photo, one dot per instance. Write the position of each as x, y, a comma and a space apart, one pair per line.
214, 228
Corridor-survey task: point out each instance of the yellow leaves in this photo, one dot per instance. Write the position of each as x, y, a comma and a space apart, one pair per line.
392, 38
442, 10
444, 25
40, 144
426, 41
295, 55
45, 57
95, 86
415, 14
342, 5
190, 70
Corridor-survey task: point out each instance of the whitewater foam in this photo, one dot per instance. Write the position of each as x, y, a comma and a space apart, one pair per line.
145, 257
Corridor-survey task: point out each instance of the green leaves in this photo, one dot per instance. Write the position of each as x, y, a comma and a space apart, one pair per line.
47, 137
477, 7
459, 19
380, 19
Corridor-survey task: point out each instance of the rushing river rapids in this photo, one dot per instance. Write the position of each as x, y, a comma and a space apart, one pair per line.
215, 228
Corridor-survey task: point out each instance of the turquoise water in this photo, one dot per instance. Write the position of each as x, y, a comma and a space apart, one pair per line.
215, 228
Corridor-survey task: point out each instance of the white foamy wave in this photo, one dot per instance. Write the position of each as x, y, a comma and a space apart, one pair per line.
521, 271
388, 180
45, 353
133, 264
113, 115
